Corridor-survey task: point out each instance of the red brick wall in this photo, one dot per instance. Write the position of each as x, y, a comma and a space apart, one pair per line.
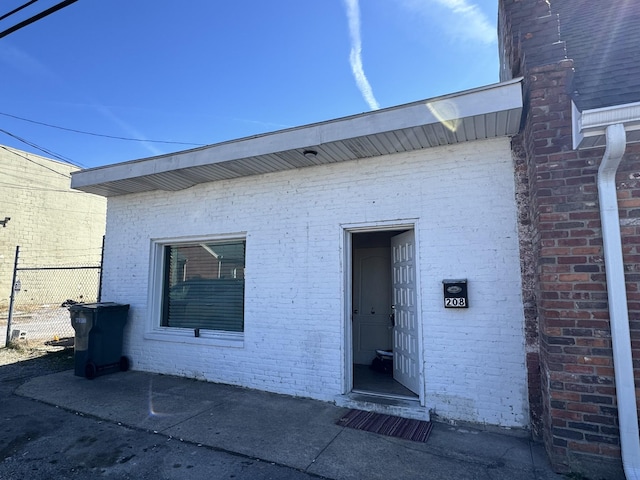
571, 378
579, 403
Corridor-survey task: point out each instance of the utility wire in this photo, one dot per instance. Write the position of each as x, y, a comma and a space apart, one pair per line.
99, 134
32, 161
16, 10
17, 177
39, 189
49, 208
42, 149
37, 17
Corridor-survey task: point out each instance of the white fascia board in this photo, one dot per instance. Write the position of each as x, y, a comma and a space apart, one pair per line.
484, 100
593, 123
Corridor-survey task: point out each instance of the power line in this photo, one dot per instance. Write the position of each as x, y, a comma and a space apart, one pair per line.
16, 10
39, 189
99, 134
34, 145
48, 208
39, 164
36, 179
36, 17
42, 149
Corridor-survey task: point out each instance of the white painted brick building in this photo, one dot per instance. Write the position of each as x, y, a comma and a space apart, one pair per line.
316, 242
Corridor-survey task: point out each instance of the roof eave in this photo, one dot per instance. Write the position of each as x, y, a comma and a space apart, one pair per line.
486, 112
589, 126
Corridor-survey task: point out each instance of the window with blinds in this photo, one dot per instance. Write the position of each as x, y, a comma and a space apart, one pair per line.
203, 286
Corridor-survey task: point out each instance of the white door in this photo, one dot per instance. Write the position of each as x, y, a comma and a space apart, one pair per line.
406, 360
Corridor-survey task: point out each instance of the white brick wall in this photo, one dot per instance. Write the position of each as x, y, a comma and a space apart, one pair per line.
463, 198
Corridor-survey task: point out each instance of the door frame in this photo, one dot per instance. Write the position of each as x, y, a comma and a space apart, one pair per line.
347, 232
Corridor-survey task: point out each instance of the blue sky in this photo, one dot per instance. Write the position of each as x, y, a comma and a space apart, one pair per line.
203, 71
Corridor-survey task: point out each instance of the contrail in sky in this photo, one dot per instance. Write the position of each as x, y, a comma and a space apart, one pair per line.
106, 111
478, 27
462, 19
353, 15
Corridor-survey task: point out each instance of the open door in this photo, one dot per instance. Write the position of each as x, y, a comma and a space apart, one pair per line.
371, 300
405, 330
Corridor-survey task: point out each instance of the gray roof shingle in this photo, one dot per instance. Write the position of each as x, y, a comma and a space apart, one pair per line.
603, 39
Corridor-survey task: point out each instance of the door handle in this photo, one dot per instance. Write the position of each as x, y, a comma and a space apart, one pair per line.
392, 316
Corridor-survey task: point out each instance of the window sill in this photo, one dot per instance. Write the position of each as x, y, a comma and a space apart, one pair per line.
207, 337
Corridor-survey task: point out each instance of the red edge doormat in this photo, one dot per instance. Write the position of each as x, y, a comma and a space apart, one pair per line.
408, 429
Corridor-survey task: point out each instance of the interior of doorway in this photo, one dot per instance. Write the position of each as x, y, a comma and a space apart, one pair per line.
371, 316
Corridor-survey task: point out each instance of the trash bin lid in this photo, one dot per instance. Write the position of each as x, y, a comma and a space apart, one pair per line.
98, 306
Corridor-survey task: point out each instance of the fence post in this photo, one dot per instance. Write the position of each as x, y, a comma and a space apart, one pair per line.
11, 298
101, 267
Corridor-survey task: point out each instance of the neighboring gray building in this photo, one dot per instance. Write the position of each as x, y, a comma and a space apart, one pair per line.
53, 224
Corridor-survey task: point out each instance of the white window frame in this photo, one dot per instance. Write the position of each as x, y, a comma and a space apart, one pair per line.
154, 330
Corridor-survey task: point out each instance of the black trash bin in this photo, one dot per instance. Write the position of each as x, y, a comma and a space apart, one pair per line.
98, 341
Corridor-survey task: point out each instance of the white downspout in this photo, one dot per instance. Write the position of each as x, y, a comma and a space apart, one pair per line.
616, 291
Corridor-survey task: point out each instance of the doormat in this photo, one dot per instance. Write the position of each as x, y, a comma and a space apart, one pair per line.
406, 428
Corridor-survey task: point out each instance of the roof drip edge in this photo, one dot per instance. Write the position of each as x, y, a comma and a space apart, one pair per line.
499, 104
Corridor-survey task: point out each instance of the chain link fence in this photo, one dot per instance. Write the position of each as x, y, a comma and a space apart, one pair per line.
39, 308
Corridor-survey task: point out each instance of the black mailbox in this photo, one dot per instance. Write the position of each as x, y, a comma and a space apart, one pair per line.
455, 294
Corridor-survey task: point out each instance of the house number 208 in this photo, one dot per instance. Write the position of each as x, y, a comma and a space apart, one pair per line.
455, 302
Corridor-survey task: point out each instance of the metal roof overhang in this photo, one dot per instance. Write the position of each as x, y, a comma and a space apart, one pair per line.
589, 126
486, 112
